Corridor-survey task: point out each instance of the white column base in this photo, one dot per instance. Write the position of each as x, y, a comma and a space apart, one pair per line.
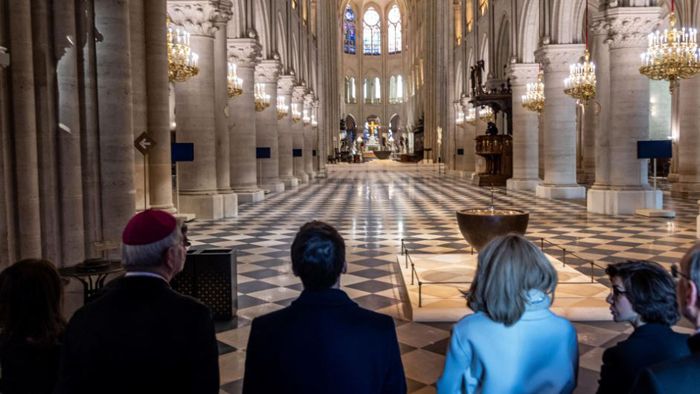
273, 187
303, 178
230, 205
290, 182
522, 184
623, 202
560, 192
322, 174
204, 206
251, 196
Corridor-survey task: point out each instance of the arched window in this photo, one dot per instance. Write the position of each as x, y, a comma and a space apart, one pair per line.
350, 93
394, 18
396, 94
371, 31
483, 6
294, 4
372, 90
349, 30
470, 15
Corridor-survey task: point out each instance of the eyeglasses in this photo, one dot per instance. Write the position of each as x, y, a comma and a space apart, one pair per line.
617, 292
677, 274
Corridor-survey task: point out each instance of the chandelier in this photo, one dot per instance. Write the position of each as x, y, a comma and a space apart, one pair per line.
182, 62
459, 116
471, 117
235, 84
314, 121
296, 112
306, 118
673, 55
581, 83
262, 99
282, 107
533, 99
486, 114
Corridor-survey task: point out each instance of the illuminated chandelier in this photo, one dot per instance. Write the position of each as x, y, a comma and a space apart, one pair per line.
673, 55
282, 107
471, 117
235, 84
306, 118
182, 62
486, 114
459, 116
314, 121
296, 112
533, 99
581, 83
262, 99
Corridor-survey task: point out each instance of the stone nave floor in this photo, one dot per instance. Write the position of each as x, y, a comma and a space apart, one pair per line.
375, 207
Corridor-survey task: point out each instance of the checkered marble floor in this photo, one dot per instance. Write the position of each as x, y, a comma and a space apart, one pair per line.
376, 207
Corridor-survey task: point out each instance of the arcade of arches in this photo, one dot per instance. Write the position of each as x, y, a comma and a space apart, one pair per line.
239, 114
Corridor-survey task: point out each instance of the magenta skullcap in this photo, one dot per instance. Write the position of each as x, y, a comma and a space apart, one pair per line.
148, 226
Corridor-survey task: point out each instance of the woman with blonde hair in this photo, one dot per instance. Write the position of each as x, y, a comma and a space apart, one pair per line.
513, 343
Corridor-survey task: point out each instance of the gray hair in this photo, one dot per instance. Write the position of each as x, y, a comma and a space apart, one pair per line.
693, 261
149, 255
508, 268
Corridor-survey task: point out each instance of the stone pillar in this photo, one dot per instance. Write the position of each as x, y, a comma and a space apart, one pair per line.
221, 113
298, 136
139, 101
308, 137
284, 129
469, 144
315, 139
159, 160
115, 109
525, 130
266, 74
629, 115
194, 110
559, 120
688, 184
244, 52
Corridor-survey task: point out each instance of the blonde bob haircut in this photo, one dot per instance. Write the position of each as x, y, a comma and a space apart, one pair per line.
508, 267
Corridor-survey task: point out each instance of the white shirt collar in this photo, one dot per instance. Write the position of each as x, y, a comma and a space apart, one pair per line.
144, 273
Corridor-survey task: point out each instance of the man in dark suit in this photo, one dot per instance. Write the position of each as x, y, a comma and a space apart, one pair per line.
681, 375
141, 336
323, 342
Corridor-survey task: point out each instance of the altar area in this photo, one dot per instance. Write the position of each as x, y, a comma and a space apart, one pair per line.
576, 298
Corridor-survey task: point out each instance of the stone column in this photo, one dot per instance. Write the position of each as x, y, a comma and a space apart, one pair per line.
469, 144
597, 114
139, 101
525, 130
284, 128
298, 136
159, 160
266, 74
244, 52
559, 120
629, 115
308, 137
221, 113
115, 109
194, 110
315, 139
688, 184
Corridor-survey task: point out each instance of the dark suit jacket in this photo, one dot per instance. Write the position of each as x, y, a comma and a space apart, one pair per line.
323, 343
648, 345
28, 368
140, 337
676, 376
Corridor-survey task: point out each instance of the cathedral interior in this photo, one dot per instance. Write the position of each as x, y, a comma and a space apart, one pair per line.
248, 118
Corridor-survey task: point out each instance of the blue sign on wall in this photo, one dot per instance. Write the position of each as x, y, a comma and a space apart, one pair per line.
296, 153
263, 153
655, 149
182, 151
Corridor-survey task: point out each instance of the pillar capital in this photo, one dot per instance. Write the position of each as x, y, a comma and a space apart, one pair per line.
523, 73
4, 57
298, 93
267, 71
558, 57
308, 99
628, 27
243, 51
198, 17
285, 84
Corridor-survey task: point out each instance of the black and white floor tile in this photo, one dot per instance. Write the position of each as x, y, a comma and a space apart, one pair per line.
376, 207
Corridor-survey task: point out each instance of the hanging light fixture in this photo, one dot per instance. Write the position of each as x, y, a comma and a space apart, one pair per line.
182, 62
282, 107
235, 84
306, 117
296, 112
262, 99
533, 99
486, 114
673, 55
471, 116
581, 83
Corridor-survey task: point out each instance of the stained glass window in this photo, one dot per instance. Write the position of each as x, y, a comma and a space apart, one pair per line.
349, 30
483, 6
394, 29
371, 31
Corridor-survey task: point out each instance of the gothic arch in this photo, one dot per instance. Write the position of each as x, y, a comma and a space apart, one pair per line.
262, 26
503, 48
282, 42
236, 27
568, 21
528, 31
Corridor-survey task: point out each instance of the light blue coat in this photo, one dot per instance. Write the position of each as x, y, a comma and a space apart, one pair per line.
537, 354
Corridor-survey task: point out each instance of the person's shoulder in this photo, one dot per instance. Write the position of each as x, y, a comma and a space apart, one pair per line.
377, 318
476, 321
186, 303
